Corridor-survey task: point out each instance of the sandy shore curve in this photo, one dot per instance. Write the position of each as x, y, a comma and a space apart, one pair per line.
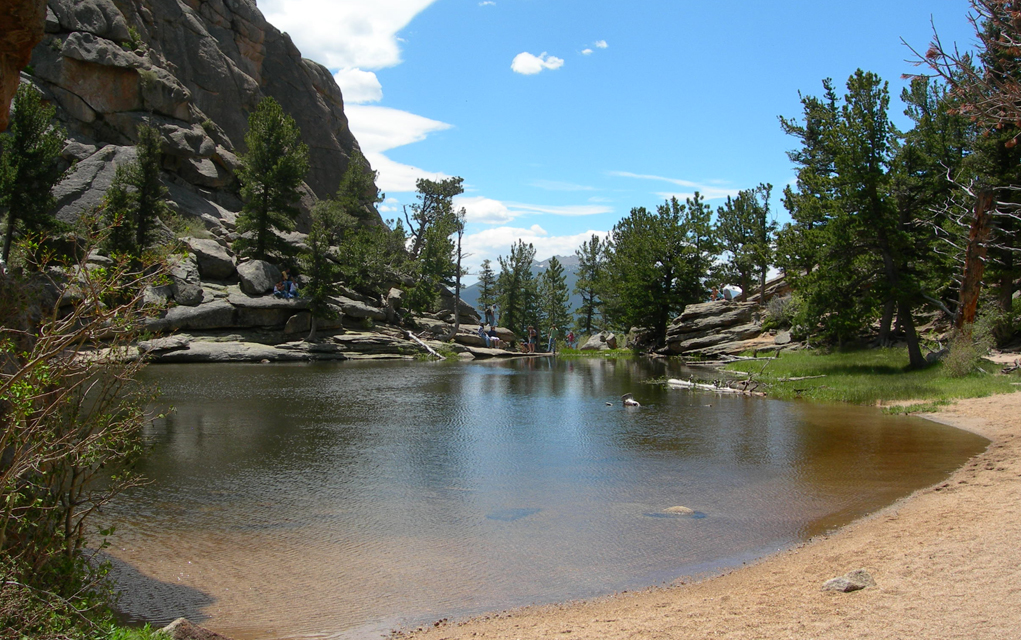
946, 561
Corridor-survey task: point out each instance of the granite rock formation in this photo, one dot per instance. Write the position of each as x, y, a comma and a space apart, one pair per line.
195, 70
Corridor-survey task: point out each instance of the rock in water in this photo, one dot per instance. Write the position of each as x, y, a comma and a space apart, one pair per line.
181, 629
685, 511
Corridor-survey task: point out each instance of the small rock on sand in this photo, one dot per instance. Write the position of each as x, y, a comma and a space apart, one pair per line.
852, 581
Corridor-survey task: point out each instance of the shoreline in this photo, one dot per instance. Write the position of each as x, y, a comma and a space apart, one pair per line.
946, 560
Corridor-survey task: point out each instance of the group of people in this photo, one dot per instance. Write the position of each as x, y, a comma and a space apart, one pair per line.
286, 287
551, 344
489, 335
726, 294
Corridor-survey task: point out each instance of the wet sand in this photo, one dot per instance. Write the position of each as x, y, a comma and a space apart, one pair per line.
946, 561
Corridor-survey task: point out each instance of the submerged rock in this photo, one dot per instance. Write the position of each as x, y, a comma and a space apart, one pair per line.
181, 629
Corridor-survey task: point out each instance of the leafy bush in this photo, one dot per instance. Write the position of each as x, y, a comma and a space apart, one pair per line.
71, 415
780, 312
966, 349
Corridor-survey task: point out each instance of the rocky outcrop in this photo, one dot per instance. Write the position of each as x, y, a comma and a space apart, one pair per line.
21, 28
704, 326
194, 71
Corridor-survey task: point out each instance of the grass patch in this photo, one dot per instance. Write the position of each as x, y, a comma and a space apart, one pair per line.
140, 633
869, 376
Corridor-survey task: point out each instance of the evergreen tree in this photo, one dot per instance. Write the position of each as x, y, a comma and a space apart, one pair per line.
29, 151
746, 233
374, 258
487, 285
271, 171
357, 194
930, 158
656, 264
554, 296
136, 198
317, 262
860, 244
434, 206
516, 288
591, 258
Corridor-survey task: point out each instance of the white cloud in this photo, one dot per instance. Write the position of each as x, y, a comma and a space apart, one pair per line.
487, 3
568, 210
586, 52
345, 34
527, 64
489, 211
379, 129
359, 86
484, 210
709, 192
601, 44
490, 243
555, 185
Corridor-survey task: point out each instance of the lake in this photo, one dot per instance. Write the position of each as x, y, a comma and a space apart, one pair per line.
345, 499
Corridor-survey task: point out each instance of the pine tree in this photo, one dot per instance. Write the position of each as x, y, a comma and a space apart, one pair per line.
137, 199
357, 193
746, 233
656, 264
487, 285
317, 262
516, 288
553, 296
591, 259
271, 171
29, 151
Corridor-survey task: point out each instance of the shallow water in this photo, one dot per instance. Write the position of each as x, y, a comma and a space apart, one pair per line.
345, 499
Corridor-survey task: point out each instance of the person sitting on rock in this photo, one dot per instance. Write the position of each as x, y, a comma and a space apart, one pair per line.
280, 289
494, 339
290, 287
484, 335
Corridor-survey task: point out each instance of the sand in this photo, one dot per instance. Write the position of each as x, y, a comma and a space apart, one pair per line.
946, 561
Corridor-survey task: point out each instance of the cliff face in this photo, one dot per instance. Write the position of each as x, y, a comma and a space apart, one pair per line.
193, 68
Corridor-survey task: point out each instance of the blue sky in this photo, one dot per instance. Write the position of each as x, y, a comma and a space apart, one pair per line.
562, 115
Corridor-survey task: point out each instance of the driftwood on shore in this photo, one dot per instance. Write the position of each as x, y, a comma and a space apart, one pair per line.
747, 388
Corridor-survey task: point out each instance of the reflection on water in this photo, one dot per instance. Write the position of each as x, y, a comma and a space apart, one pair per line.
342, 499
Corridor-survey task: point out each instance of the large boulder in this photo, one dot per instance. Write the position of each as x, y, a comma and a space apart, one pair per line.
264, 311
355, 309
711, 324
185, 285
218, 314
213, 260
257, 277
602, 341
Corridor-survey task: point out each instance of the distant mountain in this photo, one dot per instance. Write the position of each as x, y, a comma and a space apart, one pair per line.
570, 265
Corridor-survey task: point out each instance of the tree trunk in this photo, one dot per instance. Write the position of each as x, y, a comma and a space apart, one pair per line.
313, 325
887, 320
915, 358
974, 262
8, 238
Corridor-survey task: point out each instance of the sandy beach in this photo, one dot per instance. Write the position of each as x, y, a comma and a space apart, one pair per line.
946, 561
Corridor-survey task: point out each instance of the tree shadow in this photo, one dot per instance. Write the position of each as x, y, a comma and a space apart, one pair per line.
142, 599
